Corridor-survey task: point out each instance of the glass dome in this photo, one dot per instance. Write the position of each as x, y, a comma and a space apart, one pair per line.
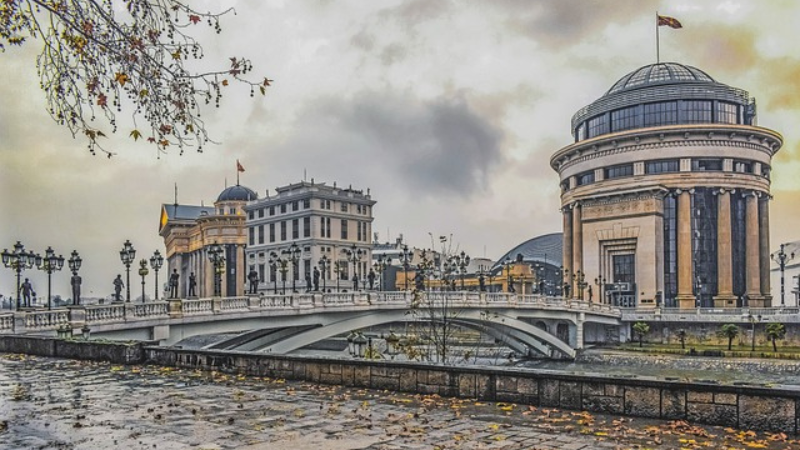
656, 74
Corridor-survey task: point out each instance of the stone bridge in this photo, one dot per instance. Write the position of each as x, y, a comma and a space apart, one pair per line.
283, 323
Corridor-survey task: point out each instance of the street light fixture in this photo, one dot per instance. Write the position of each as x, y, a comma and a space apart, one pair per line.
324, 263
19, 260
406, 260
282, 264
354, 255
127, 255
143, 272
380, 266
462, 261
156, 261
293, 255
580, 279
217, 256
753, 319
338, 267
75, 262
782, 258
600, 282
49, 264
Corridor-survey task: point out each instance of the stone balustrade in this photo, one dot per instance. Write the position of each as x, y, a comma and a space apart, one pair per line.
715, 315
27, 321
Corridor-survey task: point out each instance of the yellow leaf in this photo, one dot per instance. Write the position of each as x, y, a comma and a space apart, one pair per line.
135, 134
121, 78
143, 93
224, 82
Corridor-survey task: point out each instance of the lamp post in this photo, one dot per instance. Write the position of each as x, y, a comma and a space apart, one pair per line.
354, 255
127, 255
407, 255
324, 263
600, 282
507, 267
49, 264
216, 254
19, 260
425, 269
581, 283
143, 273
380, 266
782, 258
273, 269
293, 254
462, 261
75, 262
753, 319
449, 270
156, 261
338, 267
283, 266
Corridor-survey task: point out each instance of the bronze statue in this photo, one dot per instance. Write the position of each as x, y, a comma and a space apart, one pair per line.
27, 290
118, 285
252, 277
173, 283
371, 279
316, 279
75, 281
192, 285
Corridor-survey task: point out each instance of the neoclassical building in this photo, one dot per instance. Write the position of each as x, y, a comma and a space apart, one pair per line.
189, 233
665, 193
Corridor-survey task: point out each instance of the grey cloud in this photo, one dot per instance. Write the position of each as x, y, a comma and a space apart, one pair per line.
363, 40
413, 12
392, 53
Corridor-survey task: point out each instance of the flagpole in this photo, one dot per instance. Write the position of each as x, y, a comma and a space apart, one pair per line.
237, 172
658, 44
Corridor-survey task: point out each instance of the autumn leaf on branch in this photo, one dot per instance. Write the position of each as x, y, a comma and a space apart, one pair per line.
97, 62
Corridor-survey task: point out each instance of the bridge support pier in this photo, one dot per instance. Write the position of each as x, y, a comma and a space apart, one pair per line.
579, 331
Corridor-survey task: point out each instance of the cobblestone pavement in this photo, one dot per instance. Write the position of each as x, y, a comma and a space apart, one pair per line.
62, 404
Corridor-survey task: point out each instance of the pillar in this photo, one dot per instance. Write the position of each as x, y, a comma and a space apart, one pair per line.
752, 256
240, 270
763, 228
685, 297
567, 251
577, 246
724, 297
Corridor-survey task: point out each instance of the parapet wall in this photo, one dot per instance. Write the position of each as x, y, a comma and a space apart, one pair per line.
744, 407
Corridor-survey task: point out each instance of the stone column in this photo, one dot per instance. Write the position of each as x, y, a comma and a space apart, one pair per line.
724, 297
763, 228
577, 245
752, 258
241, 270
567, 251
685, 295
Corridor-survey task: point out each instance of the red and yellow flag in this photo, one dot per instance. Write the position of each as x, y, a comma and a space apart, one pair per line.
669, 21
239, 167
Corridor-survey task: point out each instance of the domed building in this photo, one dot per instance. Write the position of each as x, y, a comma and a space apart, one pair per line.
190, 232
665, 193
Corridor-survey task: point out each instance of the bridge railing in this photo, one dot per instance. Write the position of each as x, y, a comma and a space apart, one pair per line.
6, 323
276, 302
738, 315
44, 320
114, 312
151, 310
197, 306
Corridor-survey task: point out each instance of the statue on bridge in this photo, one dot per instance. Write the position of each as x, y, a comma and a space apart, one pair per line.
308, 282
590, 294
252, 277
118, 285
481, 283
173, 283
192, 285
75, 282
371, 279
27, 290
316, 279
355, 282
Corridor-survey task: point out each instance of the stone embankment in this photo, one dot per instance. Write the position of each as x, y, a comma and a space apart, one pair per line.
619, 359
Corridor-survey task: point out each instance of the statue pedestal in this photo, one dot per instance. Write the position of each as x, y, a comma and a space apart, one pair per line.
175, 308
725, 301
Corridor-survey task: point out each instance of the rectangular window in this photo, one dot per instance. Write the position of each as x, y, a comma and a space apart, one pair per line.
742, 166
360, 236
597, 126
696, 111
670, 251
624, 269
295, 228
307, 203
344, 207
272, 210
272, 232
328, 220
306, 226
585, 178
621, 170
260, 212
295, 205
261, 234
727, 113
580, 132
283, 230
261, 273
765, 171
662, 166
252, 238
624, 119
283, 208
657, 114
250, 215
344, 229
706, 164
232, 211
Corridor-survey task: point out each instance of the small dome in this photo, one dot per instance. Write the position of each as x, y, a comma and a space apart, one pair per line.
657, 74
547, 249
237, 194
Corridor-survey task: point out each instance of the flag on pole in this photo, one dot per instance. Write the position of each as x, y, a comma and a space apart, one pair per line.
239, 167
669, 21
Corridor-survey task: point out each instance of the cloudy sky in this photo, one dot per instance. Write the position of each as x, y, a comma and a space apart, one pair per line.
447, 111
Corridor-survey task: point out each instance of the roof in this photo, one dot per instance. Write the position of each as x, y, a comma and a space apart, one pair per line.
237, 193
658, 74
186, 212
547, 249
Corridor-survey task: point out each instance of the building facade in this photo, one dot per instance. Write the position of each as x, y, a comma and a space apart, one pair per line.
665, 193
190, 232
290, 232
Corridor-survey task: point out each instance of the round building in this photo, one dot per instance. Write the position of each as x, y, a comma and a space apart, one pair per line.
665, 193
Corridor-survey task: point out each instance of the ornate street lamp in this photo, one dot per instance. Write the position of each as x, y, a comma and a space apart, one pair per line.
753, 319
380, 266
282, 264
360, 345
782, 258
49, 264
462, 262
127, 255
19, 260
354, 255
509, 279
324, 263
425, 269
216, 254
600, 282
339, 267
75, 262
293, 254
143, 273
156, 261
406, 260
581, 282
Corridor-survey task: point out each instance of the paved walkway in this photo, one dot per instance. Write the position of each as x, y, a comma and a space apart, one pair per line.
62, 404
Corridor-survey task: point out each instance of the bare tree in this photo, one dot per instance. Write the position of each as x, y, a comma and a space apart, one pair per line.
101, 57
